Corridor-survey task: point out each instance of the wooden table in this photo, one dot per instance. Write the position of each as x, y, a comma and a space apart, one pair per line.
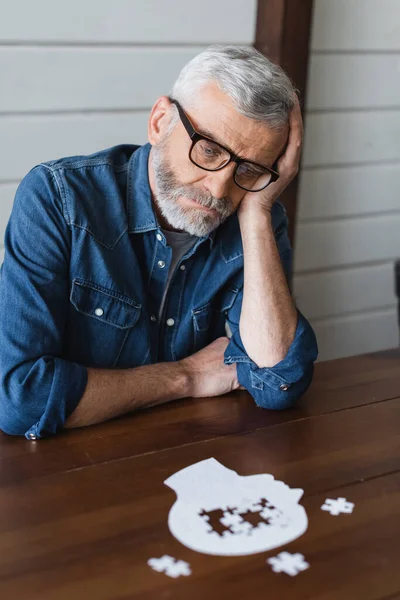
80, 514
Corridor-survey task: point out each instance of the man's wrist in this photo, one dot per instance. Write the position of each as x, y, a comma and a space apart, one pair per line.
181, 380
255, 220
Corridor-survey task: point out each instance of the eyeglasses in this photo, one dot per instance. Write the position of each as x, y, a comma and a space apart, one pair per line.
211, 156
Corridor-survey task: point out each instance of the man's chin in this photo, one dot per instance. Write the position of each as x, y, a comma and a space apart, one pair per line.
191, 217
200, 229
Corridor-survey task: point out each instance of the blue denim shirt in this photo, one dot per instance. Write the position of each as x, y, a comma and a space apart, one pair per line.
83, 276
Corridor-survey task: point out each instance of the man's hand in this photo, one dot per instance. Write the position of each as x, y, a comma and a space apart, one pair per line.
288, 167
207, 373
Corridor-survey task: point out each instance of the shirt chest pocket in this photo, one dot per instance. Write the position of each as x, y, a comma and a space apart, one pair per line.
209, 319
99, 325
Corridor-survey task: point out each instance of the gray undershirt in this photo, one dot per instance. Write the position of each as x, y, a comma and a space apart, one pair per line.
180, 242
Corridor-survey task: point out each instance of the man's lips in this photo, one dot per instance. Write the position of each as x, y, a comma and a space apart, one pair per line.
198, 205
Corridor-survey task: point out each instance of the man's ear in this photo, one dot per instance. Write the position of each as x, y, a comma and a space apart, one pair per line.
159, 120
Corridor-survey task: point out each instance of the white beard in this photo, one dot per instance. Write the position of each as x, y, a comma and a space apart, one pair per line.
168, 189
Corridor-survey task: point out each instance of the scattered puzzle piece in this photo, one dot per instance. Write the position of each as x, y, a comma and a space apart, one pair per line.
291, 564
170, 566
337, 506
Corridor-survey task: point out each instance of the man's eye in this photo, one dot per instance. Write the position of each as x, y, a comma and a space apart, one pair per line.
247, 171
210, 151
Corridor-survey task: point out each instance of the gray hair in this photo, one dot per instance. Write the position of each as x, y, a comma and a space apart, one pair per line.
258, 89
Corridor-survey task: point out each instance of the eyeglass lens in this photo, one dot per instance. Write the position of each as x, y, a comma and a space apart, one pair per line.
209, 155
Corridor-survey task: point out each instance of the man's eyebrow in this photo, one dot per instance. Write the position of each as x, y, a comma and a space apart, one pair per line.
212, 137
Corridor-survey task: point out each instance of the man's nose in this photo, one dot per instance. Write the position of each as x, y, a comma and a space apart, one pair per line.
219, 183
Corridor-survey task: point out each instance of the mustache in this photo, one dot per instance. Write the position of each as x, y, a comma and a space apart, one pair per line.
221, 205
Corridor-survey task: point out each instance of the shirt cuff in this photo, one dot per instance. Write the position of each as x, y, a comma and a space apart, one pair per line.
282, 385
67, 388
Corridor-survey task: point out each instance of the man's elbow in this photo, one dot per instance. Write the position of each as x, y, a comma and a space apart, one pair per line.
13, 424
280, 396
276, 401
14, 419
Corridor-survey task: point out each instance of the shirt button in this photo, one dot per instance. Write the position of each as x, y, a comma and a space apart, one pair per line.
153, 318
161, 264
170, 322
32, 436
284, 387
182, 267
99, 312
159, 237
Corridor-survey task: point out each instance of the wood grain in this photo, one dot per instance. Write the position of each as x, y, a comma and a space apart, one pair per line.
70, 528
337, 385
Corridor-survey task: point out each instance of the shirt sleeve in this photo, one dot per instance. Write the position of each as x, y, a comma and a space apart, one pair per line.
282, 385
38, 388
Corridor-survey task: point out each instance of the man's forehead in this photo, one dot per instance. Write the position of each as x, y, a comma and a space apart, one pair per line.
247, 142
217, 118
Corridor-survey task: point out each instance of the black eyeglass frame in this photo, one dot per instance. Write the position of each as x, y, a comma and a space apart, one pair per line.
195, 136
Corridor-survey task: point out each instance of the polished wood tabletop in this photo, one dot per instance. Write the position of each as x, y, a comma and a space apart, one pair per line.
83, 512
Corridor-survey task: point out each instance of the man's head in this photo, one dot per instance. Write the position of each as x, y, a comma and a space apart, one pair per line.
236, 97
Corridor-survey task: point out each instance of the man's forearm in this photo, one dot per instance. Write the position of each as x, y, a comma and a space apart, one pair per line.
113, 392
268, 318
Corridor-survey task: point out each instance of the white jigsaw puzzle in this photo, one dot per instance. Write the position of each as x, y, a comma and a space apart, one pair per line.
236, 524
337, 506
275, 517
291, 564
170, 566
222, 513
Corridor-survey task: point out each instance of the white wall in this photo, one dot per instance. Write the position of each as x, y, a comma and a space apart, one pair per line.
349, 205
77, 76
80, 76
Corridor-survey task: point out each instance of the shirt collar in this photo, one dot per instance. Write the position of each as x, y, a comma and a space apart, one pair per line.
141, 215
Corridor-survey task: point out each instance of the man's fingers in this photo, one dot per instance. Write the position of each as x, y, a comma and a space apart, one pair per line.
291, 158
296, 115
296, 127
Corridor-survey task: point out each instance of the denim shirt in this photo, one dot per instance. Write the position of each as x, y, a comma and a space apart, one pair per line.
83, 275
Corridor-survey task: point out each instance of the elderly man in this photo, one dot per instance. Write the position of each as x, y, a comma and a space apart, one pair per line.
126, 271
